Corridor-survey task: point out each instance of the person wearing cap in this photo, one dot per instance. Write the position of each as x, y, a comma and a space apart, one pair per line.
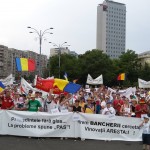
141, 108
29, 94
108, 110
145, 125
89, 108
33, 104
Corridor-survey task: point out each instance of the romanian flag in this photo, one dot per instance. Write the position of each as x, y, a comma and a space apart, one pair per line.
25, 64
121, 76
2, 87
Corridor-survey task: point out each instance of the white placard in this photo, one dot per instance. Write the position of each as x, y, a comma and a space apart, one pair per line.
64, 111
75, 117
127, 110
55, 111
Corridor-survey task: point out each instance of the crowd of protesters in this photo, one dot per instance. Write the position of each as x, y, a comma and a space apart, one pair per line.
100, 100
94, 101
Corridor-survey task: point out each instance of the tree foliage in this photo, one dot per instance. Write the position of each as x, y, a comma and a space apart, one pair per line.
95, 63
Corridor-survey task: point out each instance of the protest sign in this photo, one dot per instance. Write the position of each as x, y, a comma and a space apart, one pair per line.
101, 127
40, 124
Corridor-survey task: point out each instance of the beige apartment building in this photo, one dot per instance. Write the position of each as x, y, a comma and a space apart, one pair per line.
8, 64
144, 58
62, 50
5, 61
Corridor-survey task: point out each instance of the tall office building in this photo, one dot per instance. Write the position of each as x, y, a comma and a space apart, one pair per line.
111, 28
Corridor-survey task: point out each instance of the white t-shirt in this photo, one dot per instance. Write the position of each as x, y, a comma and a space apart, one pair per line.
146, 128
41, 101
103, 104
51, 106
108, 111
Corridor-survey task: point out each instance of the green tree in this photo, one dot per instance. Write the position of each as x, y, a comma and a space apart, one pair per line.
68, 64
95, 63
145, 72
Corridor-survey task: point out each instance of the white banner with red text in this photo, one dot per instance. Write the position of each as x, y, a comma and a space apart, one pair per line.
88, 126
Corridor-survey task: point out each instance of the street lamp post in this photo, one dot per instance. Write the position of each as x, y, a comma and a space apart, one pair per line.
40, 36
59, 46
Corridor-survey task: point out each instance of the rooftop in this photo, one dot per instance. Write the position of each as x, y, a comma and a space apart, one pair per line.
110, 1
145, 53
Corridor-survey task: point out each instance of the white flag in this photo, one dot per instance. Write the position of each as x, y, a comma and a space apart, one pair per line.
143, 84
89, 79
98, 80
25, 87
8, 80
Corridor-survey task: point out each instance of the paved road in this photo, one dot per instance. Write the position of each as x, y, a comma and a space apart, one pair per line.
24, 143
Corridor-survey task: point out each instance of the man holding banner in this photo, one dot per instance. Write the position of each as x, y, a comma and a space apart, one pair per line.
34, 105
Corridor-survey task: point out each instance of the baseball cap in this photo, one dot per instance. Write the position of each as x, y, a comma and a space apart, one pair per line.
146, 117
142, 101
32, 95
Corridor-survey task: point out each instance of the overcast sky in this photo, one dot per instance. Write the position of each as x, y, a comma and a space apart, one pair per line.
74, 21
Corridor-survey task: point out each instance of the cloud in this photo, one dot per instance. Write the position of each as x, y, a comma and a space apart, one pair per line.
74, 21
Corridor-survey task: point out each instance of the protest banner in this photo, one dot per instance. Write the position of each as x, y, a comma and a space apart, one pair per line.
143, 83
102, 127
38, 124
88, 126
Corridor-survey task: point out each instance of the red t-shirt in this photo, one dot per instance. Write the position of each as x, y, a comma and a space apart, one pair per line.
141, 107
116, 106
7, 102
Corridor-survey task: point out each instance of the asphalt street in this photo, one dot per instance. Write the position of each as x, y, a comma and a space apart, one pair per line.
25, 143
